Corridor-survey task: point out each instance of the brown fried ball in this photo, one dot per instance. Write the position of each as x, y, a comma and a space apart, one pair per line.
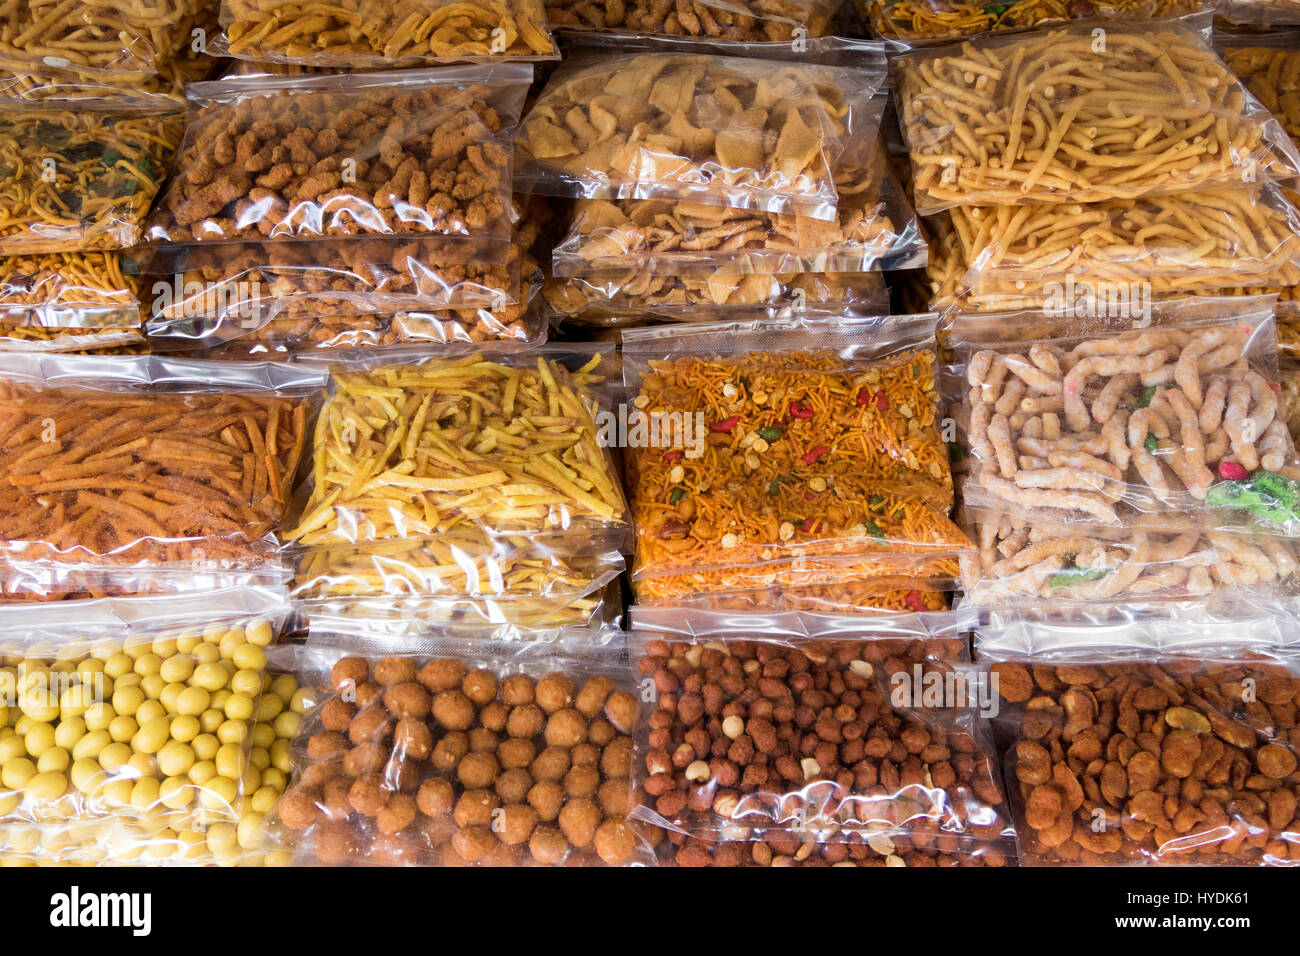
516, 752
369, 757
477, 771
548, 846
316, 774
300, 807
551, 764
579, 820
480, 686
442, 674
581, 781
448, 751
554, 692
474, 844
336, 843
373, 723
336, 801
615, 798
517, 689
513, 785
408, 699
393, 670
475, 808
327, 744
397, 849
336, 713
601, 732
412, 738
453, 710
546, 797
566, 728
515, 823
397, 815
348, 673
591, 698
621, 710
369, 694
482, 740
615, 842
401, 773
526, 720
436, 797
368, 795
585, 755
616, 759
493, 716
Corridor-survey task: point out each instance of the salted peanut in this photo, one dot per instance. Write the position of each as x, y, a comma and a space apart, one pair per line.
1170, 761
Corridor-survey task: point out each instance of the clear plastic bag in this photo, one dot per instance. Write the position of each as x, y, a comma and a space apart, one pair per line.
1066, 116
144, 468
828, 734
1260, 13
1029, 562
1170, 244
1150, 757
101, 36
415, 153
806, 451
760, 134
630, 298
432, 751
80, 180
135, 721
474, 444
466, 575
804, 594
886, 848
875, 229
68, 302
1089, 421
748, 21
350, 33
922, 20
1269, 66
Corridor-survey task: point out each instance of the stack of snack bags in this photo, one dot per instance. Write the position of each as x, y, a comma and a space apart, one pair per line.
739, 179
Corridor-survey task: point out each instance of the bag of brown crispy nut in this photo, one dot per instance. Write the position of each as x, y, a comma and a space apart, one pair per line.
1164, 742
446, 751
817, 728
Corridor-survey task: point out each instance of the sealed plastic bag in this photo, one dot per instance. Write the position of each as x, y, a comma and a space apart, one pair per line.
144, 466
920, 20
414, 451
630, 298
1203, 240
871, 751
796, 451
353, 34
83, 179
1269, 66
1064, 116
139, 714
99, 36
1172, 414
68, 302
415, 153
1260, 13
874, 229
1023, 561
430, 751
747, 21
1129, 755
748, 133
464, 576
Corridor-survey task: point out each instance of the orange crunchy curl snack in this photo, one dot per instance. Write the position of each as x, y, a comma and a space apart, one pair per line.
811, 473
310, 163
105, 478
361, 33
